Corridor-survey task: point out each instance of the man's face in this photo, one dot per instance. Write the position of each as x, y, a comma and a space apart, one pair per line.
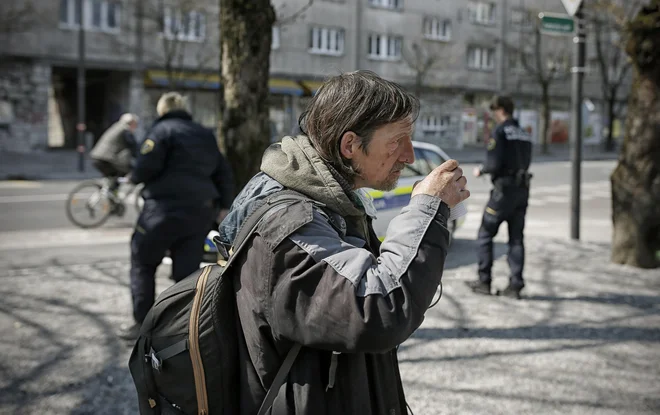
389, 150
499, 115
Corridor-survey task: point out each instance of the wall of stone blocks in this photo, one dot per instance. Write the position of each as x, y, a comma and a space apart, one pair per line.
24, 102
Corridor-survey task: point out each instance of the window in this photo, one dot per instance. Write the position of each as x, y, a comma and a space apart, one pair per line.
326, 40
386, 47
481, 58
434, 124
481, 12
190, 26
102, 15
521, 19
275, 43
437, 29
387, 4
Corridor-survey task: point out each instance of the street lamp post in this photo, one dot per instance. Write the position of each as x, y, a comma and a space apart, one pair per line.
81, 126
578, 71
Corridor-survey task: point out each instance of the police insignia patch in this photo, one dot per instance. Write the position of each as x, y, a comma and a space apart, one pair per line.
491, 144
147, 146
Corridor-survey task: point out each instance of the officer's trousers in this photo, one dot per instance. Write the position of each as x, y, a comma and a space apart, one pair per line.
158, 230
506, 204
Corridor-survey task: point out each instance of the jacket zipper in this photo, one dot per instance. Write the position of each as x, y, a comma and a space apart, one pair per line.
193, 339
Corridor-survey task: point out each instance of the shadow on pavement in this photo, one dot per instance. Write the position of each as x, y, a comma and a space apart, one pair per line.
463, 252
60, 349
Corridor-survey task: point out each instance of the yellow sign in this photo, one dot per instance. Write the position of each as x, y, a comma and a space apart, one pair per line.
147, 146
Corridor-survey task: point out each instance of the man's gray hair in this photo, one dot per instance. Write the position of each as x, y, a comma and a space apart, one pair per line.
171, 101
360, 102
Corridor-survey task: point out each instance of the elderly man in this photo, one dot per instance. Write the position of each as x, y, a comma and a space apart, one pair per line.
187, 181
315, 274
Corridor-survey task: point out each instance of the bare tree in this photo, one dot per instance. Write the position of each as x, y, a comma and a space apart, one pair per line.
636, 179
545, 61
18, 16
608, 18
178, 24
424, 58
245, 36
282, 18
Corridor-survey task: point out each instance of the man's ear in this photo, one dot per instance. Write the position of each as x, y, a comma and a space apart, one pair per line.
349, 145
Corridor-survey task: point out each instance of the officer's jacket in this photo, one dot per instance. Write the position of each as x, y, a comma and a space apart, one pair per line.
116, 146
509, 150
316, 274
180, 164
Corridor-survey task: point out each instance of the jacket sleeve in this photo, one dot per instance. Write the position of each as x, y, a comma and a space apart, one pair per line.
496, 153
336, 295
223, 179
151, 160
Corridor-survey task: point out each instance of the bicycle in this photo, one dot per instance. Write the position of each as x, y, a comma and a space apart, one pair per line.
98, 202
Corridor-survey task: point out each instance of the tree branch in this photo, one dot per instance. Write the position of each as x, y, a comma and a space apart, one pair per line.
290, 19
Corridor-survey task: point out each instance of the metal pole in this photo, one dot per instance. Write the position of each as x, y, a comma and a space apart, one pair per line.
81, 127
576, 126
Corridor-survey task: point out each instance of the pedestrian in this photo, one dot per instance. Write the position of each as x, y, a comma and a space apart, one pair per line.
115, 151
507, 161
187, 185
316, 274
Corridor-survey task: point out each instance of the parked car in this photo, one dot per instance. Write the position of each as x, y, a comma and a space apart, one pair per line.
388, 204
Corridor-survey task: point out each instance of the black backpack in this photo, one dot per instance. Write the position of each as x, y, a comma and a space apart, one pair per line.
185, 360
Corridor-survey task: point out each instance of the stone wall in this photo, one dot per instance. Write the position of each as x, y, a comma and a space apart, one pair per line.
24, 103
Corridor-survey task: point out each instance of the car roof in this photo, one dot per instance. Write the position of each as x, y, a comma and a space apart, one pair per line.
431, 147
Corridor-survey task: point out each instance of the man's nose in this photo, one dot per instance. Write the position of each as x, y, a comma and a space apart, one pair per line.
408, 154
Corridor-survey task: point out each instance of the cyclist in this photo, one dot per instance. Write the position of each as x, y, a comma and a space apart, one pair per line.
115, 151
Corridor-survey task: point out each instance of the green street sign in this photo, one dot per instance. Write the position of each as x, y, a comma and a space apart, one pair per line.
557, 24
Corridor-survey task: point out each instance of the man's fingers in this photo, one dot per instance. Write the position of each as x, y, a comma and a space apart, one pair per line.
449, 165
462, 182
458, 173
464, 194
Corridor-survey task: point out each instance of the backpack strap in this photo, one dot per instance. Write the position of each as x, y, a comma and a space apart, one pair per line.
279, 379
247, 229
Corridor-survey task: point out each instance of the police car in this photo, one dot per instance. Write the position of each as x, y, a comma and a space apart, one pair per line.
388, 204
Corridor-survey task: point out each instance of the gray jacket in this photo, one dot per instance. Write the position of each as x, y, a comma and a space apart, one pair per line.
316, 274
117, 146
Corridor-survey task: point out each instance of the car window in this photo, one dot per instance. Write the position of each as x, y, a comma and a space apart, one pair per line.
419, 168
432, 158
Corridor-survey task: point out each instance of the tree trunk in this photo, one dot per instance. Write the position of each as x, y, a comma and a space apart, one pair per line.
246, 34
611, 102
636, 179
545, 118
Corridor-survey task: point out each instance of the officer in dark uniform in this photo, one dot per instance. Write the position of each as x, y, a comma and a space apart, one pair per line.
188, 184
508, 159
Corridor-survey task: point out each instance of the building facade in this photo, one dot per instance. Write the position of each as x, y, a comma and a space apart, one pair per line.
453, 54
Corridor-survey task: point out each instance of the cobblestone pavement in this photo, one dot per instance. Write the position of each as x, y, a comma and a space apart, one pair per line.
584, 340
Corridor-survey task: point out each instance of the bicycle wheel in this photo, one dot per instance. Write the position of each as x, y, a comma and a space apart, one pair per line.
88, 205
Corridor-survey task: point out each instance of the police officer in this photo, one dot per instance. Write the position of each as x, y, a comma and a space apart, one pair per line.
188, 184
508, 158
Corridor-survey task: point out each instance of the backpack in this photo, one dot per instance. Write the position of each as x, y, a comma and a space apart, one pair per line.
185, 360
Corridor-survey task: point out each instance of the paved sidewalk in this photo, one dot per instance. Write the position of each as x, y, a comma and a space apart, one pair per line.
63, 164
585, 340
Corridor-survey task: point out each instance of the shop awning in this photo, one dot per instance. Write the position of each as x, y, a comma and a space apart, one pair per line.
212, 81
284, 86
312, 86
183, 79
